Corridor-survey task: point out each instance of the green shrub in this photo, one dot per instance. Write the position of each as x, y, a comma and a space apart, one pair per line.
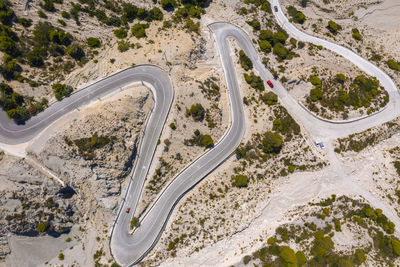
121, 33
240, 181
196, 111
301, 258
265, 46
397, 167
168, 4
287, 255
207, 141
280, 51
316, 81
246, 259
172, 126
254, 81
269, 98
280, 37
42, 227
123, 46
192, 26
93, 42
76, 51
333, 27
61, 256
393, 65
139, 30
255, 24
396, 246
266, 35
62, 90
65, 14
272, 142
134, 222
356, 35
245, 61
340, 78
297, 16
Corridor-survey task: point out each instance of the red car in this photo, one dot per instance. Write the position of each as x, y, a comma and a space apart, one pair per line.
270, 84
128, 210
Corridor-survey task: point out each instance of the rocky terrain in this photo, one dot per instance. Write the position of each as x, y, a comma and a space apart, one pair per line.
93, 170
32, 203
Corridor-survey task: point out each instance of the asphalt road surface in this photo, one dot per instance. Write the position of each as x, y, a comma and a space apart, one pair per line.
130, 249
12, 134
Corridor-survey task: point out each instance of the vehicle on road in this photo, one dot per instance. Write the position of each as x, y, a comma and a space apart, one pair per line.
128, 210
276, 8
270, 84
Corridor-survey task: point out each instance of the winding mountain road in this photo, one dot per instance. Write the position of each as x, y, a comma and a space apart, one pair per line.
129, 249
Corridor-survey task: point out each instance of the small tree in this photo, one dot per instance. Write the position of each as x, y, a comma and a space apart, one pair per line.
196, 111
62, 90
135, 222
269, 98
93, 42
61, 256
207, 141
76, 51
272, 142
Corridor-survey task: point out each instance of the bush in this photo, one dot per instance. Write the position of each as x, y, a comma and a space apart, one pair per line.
134, 222
120, 33
254, 81
280, 37
393, 65
269, 98
19, 113
333, 27
172, 126
47, 5
316, 81
240, 181
62, 90
397, 167
139, 30
75, 51
61, 256
255, 24
288, 256
266, 35
65, 15
123, 46
245, 61
356, 35
272, 142
168, 4
280, 51
156, 14
297, 16
196, 111
265, 46
192, 26
207, 141
42, 227
340, 78
93, 42
301, 258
